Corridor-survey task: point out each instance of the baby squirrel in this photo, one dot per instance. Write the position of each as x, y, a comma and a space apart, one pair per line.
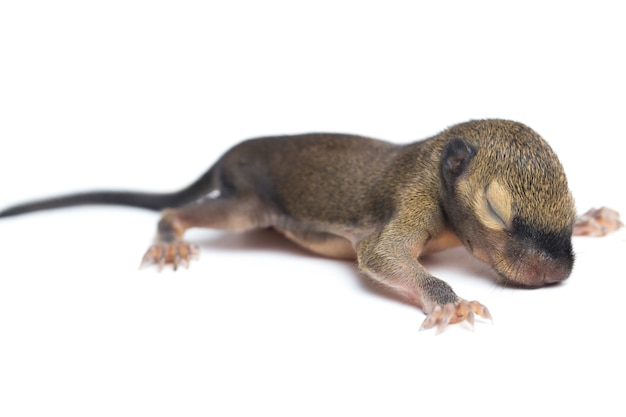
494, 186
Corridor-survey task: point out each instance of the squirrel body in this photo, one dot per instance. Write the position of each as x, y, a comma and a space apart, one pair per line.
494, 186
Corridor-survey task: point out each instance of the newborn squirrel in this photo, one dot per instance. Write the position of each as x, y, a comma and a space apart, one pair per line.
494, 186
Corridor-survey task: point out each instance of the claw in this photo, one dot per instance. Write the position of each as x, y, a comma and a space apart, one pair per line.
447, 315
431, 319
481, 310
452, 313
175, 253
470, 319
161, 258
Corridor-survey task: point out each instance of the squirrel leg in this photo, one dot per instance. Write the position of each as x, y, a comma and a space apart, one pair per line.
227, 214
169, 246
390, 261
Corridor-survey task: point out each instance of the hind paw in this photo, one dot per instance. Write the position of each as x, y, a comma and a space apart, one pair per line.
175, 253
597, 222
451, 313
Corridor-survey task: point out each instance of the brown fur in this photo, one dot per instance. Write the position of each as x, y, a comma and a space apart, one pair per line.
493, 185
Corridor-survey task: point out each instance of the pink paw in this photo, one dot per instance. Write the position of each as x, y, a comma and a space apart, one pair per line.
597, 222
175, 253
452, 313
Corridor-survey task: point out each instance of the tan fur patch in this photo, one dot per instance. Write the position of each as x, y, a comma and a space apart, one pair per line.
447, 239
500, 201
492, 205
333, 247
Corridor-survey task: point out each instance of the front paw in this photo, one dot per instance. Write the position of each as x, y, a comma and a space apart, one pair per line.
597, 222
450, 313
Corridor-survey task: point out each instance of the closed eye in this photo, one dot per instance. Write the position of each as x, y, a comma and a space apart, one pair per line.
498, 202
495, 214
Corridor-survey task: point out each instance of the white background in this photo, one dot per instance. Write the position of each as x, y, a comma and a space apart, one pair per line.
147, 94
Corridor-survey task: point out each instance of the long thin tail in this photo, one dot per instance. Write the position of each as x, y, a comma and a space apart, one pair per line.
142, 200
150, 201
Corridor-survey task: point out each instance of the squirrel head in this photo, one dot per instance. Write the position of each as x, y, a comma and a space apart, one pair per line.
506, 196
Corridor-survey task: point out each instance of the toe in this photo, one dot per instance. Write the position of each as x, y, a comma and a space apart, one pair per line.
442, 316
175, 253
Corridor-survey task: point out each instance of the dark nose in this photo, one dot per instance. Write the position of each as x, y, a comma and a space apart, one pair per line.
544, 257
557, 273
536, 268
550, 270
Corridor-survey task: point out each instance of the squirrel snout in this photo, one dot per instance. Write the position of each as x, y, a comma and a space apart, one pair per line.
556, 273
541, 271
537, 269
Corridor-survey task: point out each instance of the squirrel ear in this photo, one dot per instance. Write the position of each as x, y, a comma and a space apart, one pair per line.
455, 158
